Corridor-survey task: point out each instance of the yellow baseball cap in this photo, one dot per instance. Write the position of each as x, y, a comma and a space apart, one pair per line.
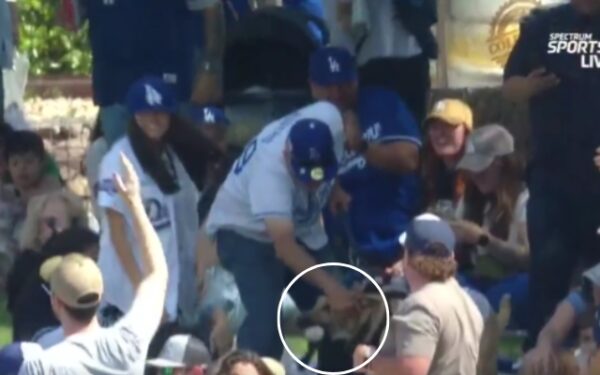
453, 111
75, 279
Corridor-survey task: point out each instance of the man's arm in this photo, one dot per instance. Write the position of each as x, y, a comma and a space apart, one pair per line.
524, 78
294, 256
146, 312
118, 236
557, 329
403, 365
397, 157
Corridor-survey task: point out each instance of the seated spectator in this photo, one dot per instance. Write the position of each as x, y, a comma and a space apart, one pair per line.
243, 363
27, 165
547, 357
25, 289
448, 126
51, 213
76, 288
181, 355
491, 225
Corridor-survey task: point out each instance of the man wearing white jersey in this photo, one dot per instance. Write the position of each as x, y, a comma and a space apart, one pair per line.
266, 219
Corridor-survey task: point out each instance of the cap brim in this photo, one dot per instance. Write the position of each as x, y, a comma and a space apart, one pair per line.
402, 239
164, 363
475, 162
447, 119
593, 275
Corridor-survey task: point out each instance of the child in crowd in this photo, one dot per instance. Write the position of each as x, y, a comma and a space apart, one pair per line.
27, 160
491, 225
448, 125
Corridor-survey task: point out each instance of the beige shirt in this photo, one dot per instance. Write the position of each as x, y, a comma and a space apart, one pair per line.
441, 322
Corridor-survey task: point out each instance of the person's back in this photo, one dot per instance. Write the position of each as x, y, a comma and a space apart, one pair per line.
120, 349
459, 325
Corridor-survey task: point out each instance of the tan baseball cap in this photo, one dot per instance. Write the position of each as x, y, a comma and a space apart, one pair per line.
274, 366
484, 145
75, 279
453, 111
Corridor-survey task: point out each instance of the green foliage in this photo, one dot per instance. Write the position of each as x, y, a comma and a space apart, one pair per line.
52, 50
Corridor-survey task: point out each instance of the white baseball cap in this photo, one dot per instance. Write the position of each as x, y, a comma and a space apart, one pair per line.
181, 351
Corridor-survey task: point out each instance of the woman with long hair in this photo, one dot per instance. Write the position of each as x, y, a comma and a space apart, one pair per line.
448, 125
164, 151
492, 227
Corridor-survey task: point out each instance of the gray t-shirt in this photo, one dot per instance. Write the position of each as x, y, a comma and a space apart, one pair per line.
120, 349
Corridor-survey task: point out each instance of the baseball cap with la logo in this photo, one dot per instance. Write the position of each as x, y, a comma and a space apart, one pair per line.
150, 94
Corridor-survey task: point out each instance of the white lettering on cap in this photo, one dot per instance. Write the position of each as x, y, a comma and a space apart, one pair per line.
334, 66
209, 117
152, 96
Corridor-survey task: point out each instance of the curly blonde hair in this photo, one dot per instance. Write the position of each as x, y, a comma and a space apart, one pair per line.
29, 236
437, 267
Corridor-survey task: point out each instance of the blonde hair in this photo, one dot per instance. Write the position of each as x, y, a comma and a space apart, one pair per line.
29, 236
433, 268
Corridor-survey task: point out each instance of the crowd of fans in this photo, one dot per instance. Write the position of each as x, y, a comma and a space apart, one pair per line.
179, 263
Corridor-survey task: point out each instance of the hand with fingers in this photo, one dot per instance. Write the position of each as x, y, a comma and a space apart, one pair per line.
540, 80
127, 182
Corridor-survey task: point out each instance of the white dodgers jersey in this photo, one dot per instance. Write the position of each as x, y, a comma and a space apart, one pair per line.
259, 184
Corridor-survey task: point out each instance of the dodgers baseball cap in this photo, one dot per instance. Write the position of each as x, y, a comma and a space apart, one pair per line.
14, 355
150, 94
332, 66
454, 112
75, 279
312, 151
208, 115
484, 145
426, 235
181, 351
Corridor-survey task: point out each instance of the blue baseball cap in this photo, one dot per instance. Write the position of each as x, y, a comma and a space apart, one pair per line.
208, 115
312, 151
427, 234
14, 355
150, 94
332, 66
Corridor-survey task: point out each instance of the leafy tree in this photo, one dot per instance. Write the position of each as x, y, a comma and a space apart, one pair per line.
52, 50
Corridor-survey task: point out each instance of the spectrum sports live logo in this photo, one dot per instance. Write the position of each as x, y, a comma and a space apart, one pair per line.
578, 44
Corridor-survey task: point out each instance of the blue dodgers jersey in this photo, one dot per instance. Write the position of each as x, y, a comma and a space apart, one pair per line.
382, 203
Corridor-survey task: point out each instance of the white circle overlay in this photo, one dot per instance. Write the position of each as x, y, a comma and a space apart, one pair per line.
385, 333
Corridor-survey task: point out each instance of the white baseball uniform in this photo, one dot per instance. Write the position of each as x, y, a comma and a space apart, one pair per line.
260, 185
175, 220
